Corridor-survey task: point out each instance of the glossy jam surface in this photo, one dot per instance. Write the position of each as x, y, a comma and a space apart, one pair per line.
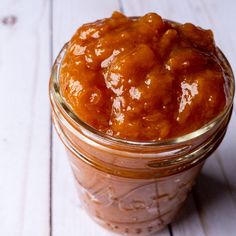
143, 78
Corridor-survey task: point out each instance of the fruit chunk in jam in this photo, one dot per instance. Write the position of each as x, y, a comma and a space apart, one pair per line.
143, 78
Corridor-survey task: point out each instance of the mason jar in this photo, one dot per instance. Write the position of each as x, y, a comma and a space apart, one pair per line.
134, 188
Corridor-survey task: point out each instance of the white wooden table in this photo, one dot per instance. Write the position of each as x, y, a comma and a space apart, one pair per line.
37, 194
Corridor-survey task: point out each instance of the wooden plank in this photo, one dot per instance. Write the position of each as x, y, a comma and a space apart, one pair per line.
25, 118
188, 220
167, 9
67, 216
214, 200
227, 158
221, 18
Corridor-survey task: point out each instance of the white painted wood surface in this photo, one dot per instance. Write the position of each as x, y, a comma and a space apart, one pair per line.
24, 118
37, 194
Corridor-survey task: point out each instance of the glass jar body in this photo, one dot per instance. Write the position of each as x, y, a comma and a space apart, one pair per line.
133, 188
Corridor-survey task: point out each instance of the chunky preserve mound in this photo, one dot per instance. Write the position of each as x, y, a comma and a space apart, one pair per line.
143, 78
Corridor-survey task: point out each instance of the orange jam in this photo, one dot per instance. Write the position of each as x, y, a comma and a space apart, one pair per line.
143, 78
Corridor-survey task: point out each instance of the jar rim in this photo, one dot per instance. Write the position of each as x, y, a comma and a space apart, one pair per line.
57, 98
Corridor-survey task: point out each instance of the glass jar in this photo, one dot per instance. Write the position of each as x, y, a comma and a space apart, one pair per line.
134, 188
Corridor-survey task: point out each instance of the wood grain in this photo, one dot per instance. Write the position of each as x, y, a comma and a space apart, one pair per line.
25, 119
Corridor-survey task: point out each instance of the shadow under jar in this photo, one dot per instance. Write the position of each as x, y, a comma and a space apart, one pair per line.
134, 188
